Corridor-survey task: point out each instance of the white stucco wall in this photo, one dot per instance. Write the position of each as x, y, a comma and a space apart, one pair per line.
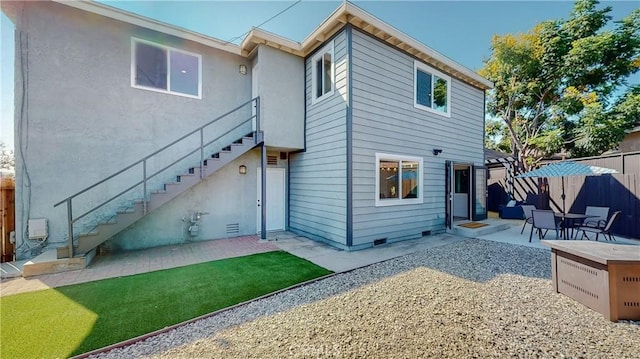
227, 197
281, 90
80, 120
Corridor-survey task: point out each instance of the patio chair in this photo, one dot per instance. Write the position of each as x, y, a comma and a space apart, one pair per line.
526, 209
605, 231
544, 220
601, 213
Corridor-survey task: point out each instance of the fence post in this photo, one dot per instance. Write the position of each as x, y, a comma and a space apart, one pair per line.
7, 217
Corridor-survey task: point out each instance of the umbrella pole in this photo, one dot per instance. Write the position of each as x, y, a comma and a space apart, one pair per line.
563, 196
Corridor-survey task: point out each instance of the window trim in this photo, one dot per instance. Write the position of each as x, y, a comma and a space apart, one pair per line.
417, 65
169, 50
398, 201
328, 48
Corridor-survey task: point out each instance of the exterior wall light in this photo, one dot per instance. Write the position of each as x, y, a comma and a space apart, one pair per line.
437, 151
243, 69
242, 169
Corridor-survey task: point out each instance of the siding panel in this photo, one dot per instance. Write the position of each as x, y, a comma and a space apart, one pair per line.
385, 121
318, 178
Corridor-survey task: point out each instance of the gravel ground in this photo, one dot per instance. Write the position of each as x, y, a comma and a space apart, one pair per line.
468, 299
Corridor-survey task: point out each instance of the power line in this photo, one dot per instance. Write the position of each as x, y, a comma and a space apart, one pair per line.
264, 22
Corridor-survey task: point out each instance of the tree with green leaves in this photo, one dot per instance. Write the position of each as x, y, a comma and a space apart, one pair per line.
7, 160
565, 85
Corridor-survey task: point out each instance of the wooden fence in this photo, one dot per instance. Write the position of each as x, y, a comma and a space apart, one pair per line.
619, 192
7, 217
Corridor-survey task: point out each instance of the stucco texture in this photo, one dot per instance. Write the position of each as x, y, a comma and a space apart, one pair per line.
82, 120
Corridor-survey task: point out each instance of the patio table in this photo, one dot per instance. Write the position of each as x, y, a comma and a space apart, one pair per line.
570, 218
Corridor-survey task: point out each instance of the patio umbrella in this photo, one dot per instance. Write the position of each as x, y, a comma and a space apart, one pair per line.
566, 168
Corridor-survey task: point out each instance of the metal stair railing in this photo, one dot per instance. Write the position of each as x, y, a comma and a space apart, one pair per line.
145, 177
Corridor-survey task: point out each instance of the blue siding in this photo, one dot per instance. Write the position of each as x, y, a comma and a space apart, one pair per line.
317, 203
385, 121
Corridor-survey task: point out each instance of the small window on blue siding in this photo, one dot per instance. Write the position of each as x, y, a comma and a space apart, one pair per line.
322, 73
432, 90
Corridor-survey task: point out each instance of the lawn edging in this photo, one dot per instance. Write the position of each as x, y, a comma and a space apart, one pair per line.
204, 316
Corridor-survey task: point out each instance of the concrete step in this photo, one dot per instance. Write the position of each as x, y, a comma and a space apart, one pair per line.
12, 269
88, 234
491, 226
124, 217
49, 263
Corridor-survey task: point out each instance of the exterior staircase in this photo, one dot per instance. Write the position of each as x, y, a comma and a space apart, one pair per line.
132, 211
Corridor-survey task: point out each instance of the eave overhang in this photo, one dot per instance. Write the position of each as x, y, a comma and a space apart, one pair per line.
346, 13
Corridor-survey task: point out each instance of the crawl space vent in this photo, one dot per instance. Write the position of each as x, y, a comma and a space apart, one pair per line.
233, 228
380, 241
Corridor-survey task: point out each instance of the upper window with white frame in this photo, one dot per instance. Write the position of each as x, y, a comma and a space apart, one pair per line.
432, 89
322, 71
398, 180
164, 69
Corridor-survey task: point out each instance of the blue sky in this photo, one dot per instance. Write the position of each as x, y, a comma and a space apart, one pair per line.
461, 30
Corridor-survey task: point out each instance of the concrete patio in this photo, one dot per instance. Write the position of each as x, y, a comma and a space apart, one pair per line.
141, 261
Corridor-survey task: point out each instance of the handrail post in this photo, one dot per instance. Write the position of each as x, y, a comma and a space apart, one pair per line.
201, 152
257, 115
70, 226
144, 186
146, 176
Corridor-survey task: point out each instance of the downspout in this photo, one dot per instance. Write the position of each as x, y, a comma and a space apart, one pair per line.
263, 199
349, 125
263, 175
22, 127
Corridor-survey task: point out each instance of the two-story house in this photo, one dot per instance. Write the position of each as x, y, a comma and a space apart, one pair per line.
132, 133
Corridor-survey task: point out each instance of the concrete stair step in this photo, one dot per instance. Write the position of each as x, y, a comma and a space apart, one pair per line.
124, 217
126, 210
88, 234
50, 262
491, 227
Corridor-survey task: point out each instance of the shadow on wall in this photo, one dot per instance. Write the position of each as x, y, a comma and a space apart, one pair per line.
619, 192
497, 195
526, 190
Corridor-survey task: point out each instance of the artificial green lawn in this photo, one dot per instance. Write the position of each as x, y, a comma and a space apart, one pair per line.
71, 320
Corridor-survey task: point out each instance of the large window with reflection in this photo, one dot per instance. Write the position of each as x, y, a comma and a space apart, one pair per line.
164, 69
398, 179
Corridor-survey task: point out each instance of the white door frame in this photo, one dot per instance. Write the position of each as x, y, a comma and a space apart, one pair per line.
272, 170
462, 202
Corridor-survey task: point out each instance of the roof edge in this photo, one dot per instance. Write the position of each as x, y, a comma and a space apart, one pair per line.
373, 21
348, 13
131, 18
259, 36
